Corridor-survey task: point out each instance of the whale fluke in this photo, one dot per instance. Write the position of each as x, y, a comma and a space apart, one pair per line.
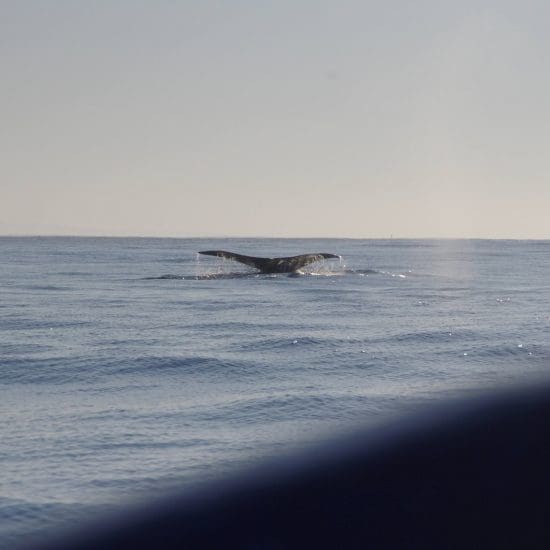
287, 264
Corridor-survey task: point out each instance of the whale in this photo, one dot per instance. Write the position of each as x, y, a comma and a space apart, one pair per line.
288, 264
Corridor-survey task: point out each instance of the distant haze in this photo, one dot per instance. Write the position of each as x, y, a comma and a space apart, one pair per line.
251, 118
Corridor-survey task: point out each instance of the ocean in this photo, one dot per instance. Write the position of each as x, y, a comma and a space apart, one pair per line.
132, 366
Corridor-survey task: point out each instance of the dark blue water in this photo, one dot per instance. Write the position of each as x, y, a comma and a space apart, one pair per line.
130, 365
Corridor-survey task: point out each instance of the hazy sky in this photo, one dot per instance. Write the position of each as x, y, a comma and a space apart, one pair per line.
280, 118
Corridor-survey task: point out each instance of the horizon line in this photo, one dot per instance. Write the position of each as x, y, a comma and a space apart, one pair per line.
211, 237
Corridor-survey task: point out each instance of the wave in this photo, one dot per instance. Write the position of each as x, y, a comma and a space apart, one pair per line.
205, 277
362, 272
508, 351
46, 287
283, 343
205, 367
255, 275
164, 277
27, 323
25, 521
287, 407
67, 370
20, 348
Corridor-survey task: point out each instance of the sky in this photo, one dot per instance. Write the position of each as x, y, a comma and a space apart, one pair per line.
283, 118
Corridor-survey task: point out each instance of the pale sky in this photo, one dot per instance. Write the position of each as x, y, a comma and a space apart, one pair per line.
281, 118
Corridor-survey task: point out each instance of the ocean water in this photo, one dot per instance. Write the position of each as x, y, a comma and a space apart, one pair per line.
129, 366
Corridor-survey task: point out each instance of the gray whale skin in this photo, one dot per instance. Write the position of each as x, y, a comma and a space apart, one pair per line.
288, 264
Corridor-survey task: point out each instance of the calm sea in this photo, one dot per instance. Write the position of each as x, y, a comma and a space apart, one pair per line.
131, 365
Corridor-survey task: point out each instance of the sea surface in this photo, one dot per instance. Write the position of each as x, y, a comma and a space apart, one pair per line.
132, 365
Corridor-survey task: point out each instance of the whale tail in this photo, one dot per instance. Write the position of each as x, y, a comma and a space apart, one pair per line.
286, 264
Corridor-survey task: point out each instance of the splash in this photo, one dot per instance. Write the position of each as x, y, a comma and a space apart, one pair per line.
219, 267
325, 268
207, 268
